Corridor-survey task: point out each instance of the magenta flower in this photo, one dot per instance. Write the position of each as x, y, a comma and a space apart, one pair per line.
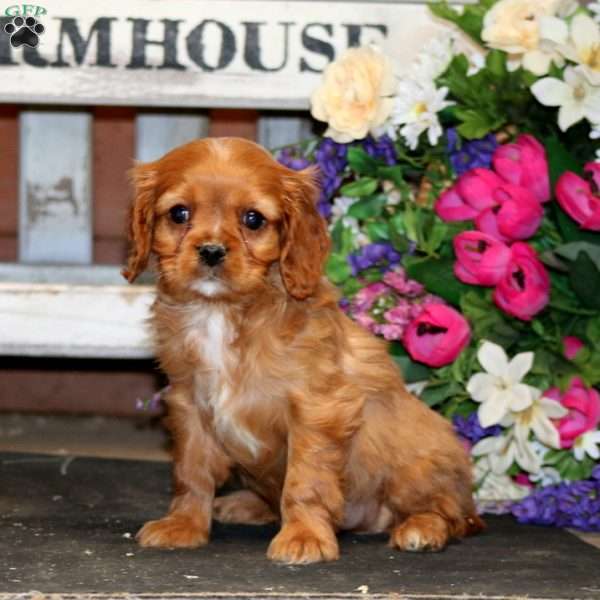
571, 346
407, 287
481, 258
583, 404
524, 163
477, 188
450, 206
525, 288
579, 198
437, 336
516, 214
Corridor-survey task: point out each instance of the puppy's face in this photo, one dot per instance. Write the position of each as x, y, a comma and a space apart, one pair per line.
218, 213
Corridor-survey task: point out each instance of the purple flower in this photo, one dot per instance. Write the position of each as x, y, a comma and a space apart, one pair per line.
331, 159
292, 158
381, 148
381, 254
466, 155
470, 428
574, 504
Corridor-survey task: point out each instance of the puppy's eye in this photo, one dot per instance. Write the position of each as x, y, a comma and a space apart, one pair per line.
252, 219
179, 214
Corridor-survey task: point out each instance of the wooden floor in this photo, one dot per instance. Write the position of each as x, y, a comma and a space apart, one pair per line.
140, 438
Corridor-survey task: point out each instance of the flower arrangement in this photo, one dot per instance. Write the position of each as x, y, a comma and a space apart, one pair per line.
463, 200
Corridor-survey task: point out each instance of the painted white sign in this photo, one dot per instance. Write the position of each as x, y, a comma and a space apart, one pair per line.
192, 53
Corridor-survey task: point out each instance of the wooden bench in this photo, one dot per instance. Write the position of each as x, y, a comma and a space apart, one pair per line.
174, 62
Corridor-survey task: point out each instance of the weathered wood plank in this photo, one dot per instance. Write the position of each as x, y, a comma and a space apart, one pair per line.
217, 53
55, 187
276, 130
157, 133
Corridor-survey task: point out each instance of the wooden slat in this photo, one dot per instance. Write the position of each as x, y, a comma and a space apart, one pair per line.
113, 152
9, 165
236, 123
55, 187
157, 133
276, 130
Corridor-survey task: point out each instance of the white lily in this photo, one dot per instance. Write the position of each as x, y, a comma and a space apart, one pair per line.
502, 450
492, 487
537, 419
587, 443
416, 107
579, 42
575, 96
500, 390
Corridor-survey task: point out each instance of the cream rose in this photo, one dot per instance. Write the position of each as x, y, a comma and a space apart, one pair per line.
514, 27
355, 96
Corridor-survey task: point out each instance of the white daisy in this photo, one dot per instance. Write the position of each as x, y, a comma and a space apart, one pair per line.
500, 390
416, 108
587, 443
577, 98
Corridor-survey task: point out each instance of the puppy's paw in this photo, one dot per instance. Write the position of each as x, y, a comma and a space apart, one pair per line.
243, 506
173, 531
296, 544
420, 533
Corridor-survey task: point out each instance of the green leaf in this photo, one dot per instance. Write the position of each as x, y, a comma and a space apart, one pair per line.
592, 331
378, 231
559, 159
360, 162
337, 268
342, 239
392, 173
470, 19
572, 250
369, 207
437, 276
487, 321
412, 371
476, 124
585, 280
495, 61
571, 231
362, 187
436, 394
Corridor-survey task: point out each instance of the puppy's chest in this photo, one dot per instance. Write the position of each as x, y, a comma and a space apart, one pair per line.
221, 382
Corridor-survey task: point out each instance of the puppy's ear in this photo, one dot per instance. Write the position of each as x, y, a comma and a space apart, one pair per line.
141, 219
305, 242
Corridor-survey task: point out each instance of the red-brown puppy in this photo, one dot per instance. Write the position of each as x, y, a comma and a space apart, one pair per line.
269, 379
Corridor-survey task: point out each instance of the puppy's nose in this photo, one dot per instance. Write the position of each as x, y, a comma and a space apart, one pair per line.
212, 254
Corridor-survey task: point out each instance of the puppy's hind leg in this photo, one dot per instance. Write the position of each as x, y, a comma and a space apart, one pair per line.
420, 532
243, 506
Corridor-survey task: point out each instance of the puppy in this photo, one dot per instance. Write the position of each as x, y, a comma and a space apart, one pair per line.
269, 380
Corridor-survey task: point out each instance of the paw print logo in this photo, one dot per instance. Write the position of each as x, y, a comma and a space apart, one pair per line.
24, 32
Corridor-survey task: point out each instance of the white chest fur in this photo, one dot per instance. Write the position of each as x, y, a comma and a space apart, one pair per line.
211, 333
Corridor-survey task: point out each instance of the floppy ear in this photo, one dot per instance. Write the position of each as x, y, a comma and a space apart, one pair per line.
305, 242
141, 219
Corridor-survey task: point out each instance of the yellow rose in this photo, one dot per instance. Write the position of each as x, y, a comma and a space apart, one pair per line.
355, 96
514, 27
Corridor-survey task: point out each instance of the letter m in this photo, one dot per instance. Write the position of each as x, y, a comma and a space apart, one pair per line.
69, 30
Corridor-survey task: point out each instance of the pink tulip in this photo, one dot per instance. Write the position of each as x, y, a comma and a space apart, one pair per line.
516, 215
571, 346
451, 207
437, 336
525, 288
481, 259
477, 186
579, 198
524, 163
584, 410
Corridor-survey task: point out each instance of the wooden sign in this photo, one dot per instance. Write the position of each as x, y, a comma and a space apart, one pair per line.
193, 53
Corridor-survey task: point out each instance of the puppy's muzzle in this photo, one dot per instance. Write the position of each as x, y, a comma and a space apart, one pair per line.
212, 254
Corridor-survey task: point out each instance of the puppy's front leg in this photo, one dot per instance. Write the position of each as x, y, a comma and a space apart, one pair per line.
312, 502
199, 466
